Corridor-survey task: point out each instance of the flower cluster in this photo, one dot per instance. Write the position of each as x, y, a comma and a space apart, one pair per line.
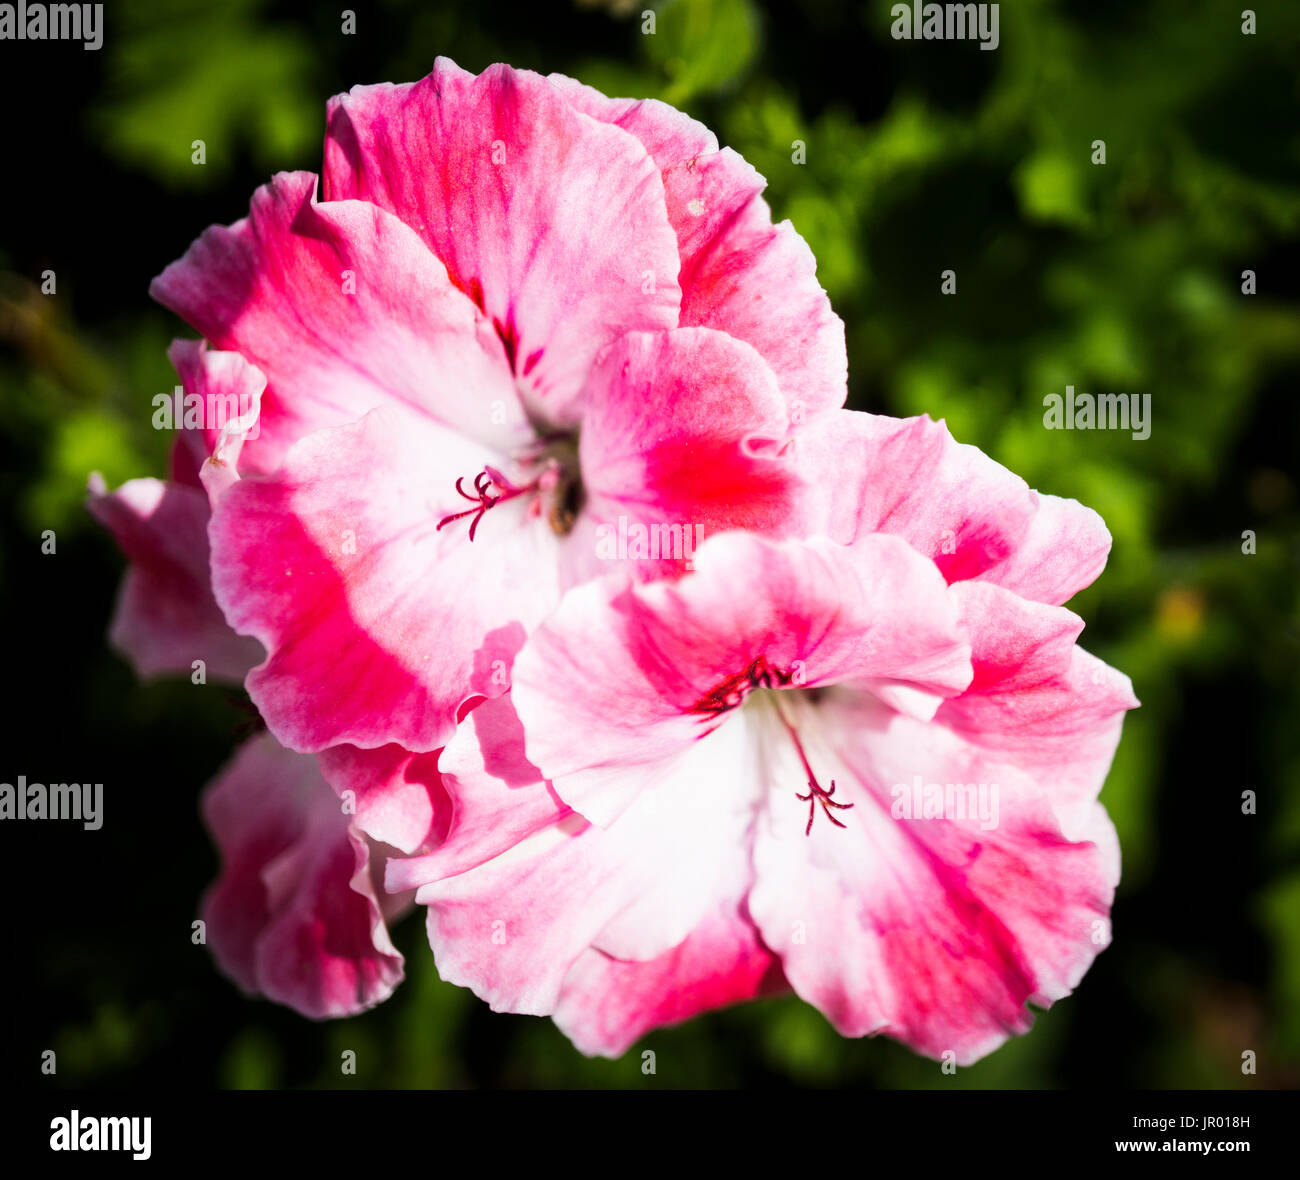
629, 783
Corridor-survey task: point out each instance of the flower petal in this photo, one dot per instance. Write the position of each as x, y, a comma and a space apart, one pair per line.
681, 439
344, 309
230, 390
1064, 550
495, 795
512, 927
740, 273
909, 478
935, 928
552, 222
166, 617
606, 1004
810, 610
294, 914
397, 797
1039, 707
950, 501
336, 563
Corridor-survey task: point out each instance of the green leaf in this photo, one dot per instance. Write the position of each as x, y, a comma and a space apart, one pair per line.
701, 45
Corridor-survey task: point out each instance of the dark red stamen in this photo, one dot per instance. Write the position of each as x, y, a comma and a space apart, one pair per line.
816, 792
732, 691
484, 481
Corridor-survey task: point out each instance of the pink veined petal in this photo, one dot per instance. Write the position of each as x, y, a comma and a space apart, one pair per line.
696, 823
294, 914
231, 391
606, 1004
344, 309
935, 929
671, 885
1064, 550
512, 927
166, 618
670, 651
681, 438
950, 501
1039, 708
553, 222
397, 797
378, 625
909, 478
186, 459
740, 273
495, 797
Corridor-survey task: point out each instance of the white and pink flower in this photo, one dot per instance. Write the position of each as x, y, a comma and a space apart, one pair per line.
510, 313
726, 819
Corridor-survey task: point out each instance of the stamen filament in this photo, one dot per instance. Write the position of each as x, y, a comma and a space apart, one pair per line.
816, 792
484, 482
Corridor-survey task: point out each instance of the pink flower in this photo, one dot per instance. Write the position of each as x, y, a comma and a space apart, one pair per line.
298, 912
848, 747
520, 314
166, 617
864, 764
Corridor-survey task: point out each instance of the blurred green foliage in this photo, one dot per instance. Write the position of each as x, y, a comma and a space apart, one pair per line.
183, 70
897, 161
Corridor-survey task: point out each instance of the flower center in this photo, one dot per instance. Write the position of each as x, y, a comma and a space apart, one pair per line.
735, 689
556, 488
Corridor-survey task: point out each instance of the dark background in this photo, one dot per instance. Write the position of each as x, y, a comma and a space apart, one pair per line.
920, 157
